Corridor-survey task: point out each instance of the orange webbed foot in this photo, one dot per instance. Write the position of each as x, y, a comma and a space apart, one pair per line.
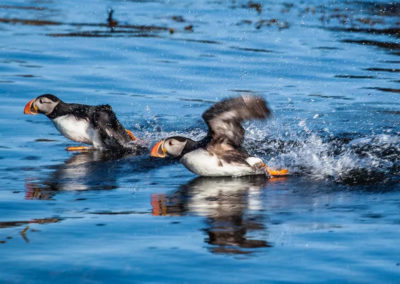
131, 134
79, 148
276, 173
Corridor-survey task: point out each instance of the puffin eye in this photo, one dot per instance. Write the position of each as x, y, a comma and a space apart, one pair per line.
44, 102
170, 143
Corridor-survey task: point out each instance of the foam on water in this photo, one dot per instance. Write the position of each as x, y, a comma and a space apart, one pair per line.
350, 160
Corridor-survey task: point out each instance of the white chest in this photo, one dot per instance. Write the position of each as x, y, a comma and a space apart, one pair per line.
202, 163
78, 130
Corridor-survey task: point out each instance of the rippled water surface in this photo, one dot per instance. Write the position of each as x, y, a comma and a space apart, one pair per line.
330, 72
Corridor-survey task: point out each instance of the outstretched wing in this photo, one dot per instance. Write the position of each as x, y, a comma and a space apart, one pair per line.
224, 119
111, 130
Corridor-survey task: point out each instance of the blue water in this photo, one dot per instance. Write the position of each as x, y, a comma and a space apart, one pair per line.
328, 69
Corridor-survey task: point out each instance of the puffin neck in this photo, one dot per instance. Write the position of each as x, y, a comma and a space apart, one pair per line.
190, 146
60, 109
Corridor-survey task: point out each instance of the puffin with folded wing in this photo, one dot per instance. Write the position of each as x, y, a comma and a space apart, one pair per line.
94, 125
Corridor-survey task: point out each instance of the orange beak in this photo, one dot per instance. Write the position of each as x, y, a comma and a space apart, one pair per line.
31, 108
158, 150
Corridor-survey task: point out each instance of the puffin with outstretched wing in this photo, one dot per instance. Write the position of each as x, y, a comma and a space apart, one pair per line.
220, 153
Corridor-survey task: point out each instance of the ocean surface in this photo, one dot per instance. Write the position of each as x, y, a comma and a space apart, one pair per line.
329, 71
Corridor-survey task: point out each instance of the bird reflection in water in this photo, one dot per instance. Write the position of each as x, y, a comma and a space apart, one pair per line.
230, 206
94, 170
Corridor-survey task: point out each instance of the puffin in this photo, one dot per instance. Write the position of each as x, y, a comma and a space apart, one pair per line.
220, 152
94, 125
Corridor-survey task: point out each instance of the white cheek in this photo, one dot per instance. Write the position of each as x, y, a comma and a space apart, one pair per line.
171, 150
44, 108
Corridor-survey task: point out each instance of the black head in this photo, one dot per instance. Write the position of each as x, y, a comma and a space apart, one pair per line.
44, 104
175, 146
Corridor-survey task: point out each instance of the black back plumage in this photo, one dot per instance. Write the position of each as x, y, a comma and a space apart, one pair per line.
111, 131
103, 119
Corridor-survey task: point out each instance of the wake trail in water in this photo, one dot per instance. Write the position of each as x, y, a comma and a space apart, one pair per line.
354, 160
